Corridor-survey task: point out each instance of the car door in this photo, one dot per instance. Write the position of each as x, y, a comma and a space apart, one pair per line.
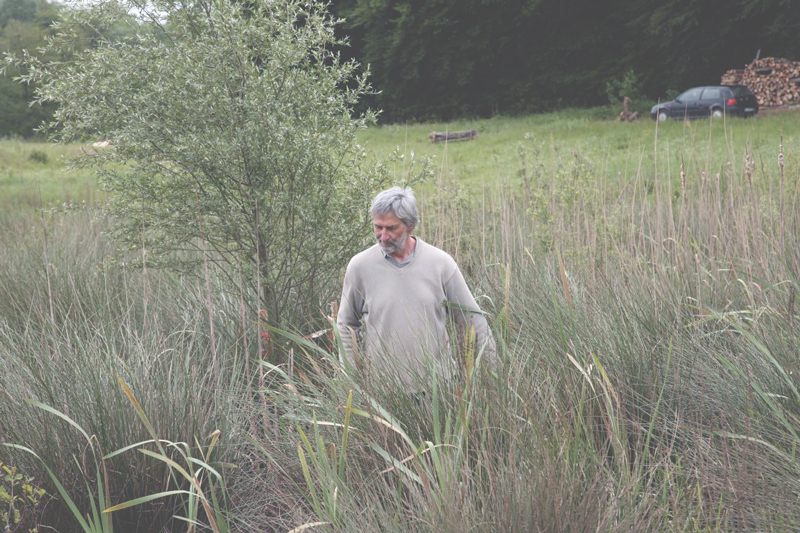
712, 98
688, 104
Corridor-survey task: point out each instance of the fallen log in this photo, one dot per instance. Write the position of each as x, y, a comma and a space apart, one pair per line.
452, 136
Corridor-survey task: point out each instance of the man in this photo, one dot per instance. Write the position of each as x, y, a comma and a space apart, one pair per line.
396, 298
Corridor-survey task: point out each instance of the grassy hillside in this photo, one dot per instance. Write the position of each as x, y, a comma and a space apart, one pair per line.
506, 148
35, 174
616, 151
648, 336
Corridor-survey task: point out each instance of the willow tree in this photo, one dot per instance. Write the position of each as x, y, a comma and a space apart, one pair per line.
232, 138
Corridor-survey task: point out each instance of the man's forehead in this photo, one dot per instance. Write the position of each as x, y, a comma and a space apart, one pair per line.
386, 219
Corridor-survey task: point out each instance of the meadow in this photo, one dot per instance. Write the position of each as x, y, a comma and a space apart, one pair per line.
640, 280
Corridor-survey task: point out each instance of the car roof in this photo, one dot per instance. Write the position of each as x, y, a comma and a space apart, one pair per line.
728, 87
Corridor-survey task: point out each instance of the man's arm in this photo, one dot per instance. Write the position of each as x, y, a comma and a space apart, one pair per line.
462, 307
348, 321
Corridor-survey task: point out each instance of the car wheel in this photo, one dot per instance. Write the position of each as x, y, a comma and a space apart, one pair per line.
716, 113
662, 116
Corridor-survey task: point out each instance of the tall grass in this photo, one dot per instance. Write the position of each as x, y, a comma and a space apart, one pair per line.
71, 326
649, 365
647, 379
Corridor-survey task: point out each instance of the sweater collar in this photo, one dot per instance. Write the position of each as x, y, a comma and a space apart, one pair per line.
405, 261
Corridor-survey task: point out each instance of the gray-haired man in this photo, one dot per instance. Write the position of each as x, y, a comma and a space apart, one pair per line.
396, 298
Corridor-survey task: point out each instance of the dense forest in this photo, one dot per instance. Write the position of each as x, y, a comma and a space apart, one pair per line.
24, 25
441, 59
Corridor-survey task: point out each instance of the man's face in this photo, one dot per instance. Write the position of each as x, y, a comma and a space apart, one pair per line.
390, 232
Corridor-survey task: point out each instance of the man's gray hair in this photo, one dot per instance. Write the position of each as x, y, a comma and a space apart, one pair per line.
398, 200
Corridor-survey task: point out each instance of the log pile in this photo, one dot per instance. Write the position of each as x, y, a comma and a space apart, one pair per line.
452, 136
774, 81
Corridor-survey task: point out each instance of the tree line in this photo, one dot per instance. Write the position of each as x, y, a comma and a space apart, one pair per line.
442, 59
446, 58
24, 25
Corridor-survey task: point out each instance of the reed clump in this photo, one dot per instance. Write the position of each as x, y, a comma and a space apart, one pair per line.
647, 380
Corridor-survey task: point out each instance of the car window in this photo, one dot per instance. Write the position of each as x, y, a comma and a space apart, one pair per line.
740, 91
712, 93
690, 95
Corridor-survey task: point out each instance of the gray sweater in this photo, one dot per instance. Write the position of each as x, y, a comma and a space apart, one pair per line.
394, 320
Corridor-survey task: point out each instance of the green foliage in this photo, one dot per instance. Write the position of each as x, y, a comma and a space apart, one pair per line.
628, 85
21, 10
24, 25
20, 499
680, 43
39, 156
441, 59
233, 143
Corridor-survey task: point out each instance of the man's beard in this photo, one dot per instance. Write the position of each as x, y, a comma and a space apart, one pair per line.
390, 246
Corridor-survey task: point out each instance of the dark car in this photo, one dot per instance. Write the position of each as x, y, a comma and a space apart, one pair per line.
714, 101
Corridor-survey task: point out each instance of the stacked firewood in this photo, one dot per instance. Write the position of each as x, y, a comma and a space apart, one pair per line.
733, 77
774, 81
